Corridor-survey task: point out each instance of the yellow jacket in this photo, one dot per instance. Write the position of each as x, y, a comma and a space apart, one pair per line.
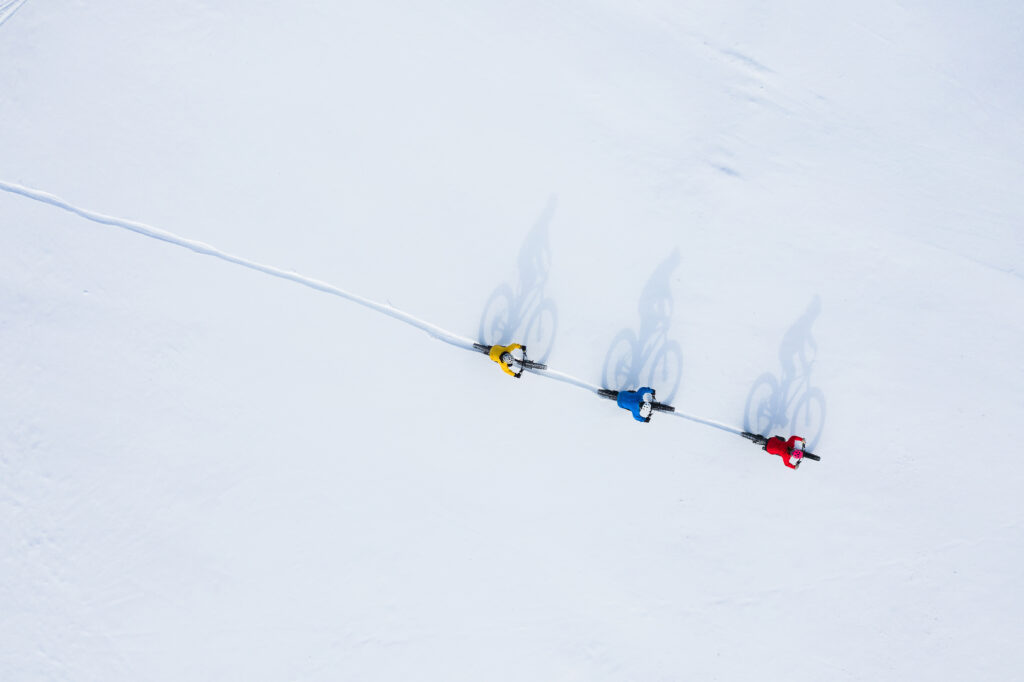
498, 351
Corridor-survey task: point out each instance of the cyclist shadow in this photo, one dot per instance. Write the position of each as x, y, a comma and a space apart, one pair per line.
522, 313
789, 402
649, 358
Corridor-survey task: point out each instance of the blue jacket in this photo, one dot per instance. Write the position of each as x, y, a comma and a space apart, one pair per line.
633, 401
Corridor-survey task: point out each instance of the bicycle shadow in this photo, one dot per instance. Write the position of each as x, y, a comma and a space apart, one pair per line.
649, 358
523, 314
790, 402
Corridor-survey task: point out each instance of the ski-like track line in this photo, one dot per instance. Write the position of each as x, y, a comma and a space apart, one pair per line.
706, 422
208, 250
318, 285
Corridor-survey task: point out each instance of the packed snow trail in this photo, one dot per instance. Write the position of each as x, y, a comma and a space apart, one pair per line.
207, 250
567, 378
707, 422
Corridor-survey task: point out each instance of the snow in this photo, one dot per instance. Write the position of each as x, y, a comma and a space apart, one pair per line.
207, 472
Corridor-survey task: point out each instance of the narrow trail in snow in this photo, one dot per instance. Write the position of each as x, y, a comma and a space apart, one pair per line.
706, 422
208, 250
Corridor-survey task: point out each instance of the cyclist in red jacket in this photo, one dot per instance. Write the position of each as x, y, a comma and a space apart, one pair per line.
789, 450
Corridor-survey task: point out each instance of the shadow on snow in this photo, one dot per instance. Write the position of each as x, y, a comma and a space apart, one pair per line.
789, 402
649, 358
523, 314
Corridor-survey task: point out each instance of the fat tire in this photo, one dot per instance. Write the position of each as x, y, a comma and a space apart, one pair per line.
756, 438
759, 415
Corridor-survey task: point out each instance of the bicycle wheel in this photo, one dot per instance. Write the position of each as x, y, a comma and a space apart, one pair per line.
667, 371
809, 417
497, 317
620, 370
759, 416
541, 329
755, 437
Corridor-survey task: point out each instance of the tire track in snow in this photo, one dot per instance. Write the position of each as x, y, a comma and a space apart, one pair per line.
208, 250
706, 422
567, 378
8, 8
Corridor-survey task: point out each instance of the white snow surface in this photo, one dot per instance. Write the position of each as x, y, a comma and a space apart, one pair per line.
807, 211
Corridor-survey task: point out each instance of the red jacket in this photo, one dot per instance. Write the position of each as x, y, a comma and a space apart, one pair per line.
784, 449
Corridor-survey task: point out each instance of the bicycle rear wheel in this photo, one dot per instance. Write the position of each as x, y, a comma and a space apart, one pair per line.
757, 438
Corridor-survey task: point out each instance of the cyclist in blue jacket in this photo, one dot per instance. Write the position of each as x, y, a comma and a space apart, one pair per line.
639, 402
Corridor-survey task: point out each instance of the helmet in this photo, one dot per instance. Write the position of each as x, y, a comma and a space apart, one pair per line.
506, 357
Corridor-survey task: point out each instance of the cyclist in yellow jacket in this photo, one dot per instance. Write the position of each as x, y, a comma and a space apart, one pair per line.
510, 358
